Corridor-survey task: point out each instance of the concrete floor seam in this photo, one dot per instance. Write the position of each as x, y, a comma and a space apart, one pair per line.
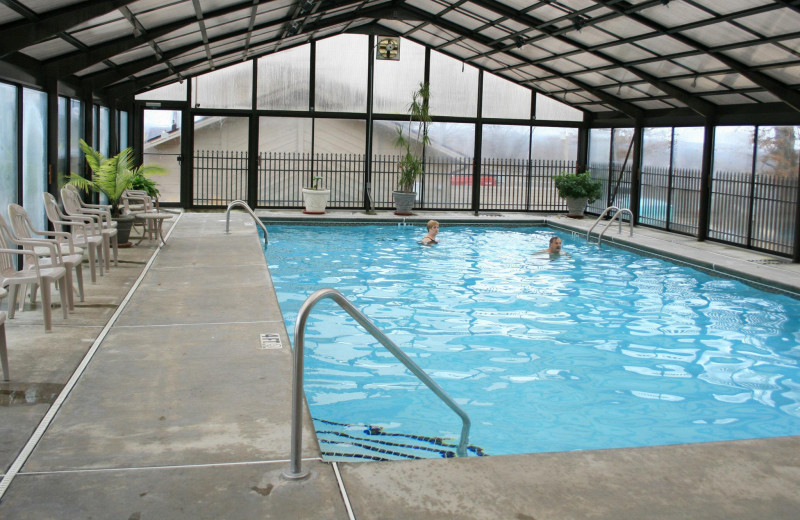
165, 467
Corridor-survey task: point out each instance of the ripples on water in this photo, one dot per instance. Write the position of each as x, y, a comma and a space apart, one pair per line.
602, 349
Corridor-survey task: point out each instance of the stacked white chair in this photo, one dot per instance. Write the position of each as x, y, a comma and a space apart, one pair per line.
101, 218
83, 231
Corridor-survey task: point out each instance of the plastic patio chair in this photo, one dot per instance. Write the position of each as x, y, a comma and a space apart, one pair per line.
35, 274
67, 256
105, 208
141, 206
3, 343
81, 230
102, 220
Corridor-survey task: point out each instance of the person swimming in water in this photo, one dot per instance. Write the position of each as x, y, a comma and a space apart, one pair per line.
555, 248
430, 238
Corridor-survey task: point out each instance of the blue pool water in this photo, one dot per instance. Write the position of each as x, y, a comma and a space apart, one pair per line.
603, 349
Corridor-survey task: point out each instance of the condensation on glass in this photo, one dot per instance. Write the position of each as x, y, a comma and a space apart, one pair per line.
341, 74
230, 87
172, 92
8, 145
34, 154
454, 87
395, 80
548, 109
503, 99
554, 144
284, 80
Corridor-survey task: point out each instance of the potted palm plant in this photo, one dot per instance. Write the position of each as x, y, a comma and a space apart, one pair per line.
316, 197
412, 143
578, 189
111, 176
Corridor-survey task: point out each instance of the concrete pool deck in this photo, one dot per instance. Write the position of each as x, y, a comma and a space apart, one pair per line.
177, 412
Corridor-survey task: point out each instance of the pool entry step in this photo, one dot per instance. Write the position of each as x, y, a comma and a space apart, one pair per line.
354, 442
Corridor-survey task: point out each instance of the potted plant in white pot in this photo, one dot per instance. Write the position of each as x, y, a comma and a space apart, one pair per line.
412, 162
111, 176
316, 198
578, 190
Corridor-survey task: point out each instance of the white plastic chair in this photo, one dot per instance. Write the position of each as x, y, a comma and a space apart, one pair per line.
36, 274
81, 230
146, 213
102, 219
67, 256
3, 344
106, 208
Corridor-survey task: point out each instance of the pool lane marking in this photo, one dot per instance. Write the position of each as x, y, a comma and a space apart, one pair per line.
38, 433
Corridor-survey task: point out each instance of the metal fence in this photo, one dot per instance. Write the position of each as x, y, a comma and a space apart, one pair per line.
756, 211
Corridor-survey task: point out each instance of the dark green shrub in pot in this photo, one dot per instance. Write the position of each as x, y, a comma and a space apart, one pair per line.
578, 189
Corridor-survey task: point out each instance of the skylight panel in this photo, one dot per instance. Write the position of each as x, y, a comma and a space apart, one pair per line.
495, 33
663, 69
733, 80
464, 20
556, 46
47, 49
427, 5
480, 11
653, 104
624, 27
533, 52
729, 99
674, 14
788, 75
773, 23
594, 79
8, 15
764, 97
97, 67
627, 52
104, 33
761, 55
140, 52
546, 12
565, 66
724, 7
696, 84
228, 28
719, 34
516, 4
621, 75
591, 36
701, 63
152, 17
664, 45
532, 71
590, 60
44, 6
181, 41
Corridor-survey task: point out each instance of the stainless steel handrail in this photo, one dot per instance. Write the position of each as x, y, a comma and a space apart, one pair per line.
295, 471
617, 213
245, 206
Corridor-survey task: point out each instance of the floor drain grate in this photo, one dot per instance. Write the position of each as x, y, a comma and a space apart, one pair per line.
270, 341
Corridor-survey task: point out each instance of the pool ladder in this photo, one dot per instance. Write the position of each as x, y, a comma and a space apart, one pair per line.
617, 215
244, 205
295, 471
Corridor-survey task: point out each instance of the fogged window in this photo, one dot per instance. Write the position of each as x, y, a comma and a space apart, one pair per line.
778, 149
451, 140
8, 145
688, 148
230, 87
172, 92
284, 134
504, 99
341, 74
599, 146
454, 87
555, 144
396, 80
505, 142
284, 79
34, 154
549, 109
76, 120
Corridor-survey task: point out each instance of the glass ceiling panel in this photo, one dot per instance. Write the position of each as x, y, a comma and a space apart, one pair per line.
696, 84
621, 75
277, 5
594, 79
516, 4
546, 12
731, 6
663, 69
674, 14
49, 49
532, 52
43, 6
764, 97
480, 11
627, 52
734, 81
723, 33
176, 43
701, 63
238, 16
222, 30
533, 71
654, 104
8, 15
790, 75
729, 99
591, 36
518, 27
565, 65
107, 32
556, 46
664, 45
427, 5
496, 33
773, 23
464, 20
792, 44
143, 51
152, 18
590, 60
762, 54
624, 27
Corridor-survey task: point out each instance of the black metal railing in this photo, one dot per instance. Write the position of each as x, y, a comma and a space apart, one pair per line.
756, 211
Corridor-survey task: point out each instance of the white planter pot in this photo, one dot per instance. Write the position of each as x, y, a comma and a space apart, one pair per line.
315, 201
576, 207
404, 202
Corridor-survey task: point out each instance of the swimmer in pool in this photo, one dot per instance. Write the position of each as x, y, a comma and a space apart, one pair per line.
554, 249
430, 238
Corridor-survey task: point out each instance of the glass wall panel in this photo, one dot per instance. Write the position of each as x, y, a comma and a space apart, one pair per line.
555, 144
76, 125
63, 141
454, 87
34, 154
284, 79
341, 74
284, 160
655, 181
555, 150
124, 141
172, 92
8, 146
220, 162
231, 87
621, 169
775, 188
105, 133
339, 158
548, 108
599, 163
448, 167
505, 168
504, 99
396, 80
687, 167
731, 183
162, 147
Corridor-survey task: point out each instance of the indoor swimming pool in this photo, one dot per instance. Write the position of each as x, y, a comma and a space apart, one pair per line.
603, 348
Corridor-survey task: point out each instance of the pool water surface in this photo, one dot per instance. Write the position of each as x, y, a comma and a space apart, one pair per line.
600, 349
